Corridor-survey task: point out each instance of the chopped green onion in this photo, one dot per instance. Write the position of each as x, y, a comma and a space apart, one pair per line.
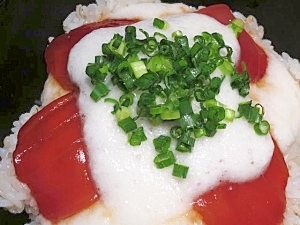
155, 63
162, 143
251, 113
146, 99
218, 37
91, 69
126, 75
138, 68
183, 63
185, 107
117, 45
145, 33
254, 114
180, 171
262, 128
211, 127
161, 24
146, 81
210, 103
126, 99
200, 39
164, 159
185, 142
132, 57
99, 91
167, 48
177, 33
157, 109
143, 111
160, 64
222, 125
226, 68
150, 46
111, 100
241, 82
137, 137
122, 113
182, 147
187, 121
237, 25
176, 132
199, 132
216, 113
160, 36
128, 124
103, 69
183, 42
195, 49
116, 104
155, 121
170, 115
229, 114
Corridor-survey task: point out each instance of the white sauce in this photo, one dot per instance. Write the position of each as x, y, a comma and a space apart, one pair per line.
279, 93
131, 186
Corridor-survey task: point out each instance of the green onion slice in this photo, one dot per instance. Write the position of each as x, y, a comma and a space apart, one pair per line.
164, 159
180, 171
137, 137
128, 124
162, 143
99, 91
262, 128
139, 68
161, 24
237, 25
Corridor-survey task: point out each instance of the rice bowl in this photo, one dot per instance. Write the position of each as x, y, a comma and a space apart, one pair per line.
291, 64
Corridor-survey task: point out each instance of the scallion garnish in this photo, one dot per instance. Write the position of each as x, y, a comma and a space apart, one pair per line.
237, 25
170, 115
138, 68
254, 114
164, 159
241, 82
167, 78
180, 171
177, 33
126, 99
99, 91
229, 114
162, 143
146, 81
122, 112
262, 127
199, 132
161, 24
137, 137
128, 124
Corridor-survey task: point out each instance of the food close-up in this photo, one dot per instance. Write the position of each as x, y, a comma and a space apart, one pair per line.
150, 112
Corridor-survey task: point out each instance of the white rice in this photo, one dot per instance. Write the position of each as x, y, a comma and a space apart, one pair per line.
98, 11
15, 196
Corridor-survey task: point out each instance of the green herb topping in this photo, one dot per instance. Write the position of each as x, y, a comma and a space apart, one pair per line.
168, 76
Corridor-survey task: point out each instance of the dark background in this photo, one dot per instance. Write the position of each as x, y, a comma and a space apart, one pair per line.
25, 26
